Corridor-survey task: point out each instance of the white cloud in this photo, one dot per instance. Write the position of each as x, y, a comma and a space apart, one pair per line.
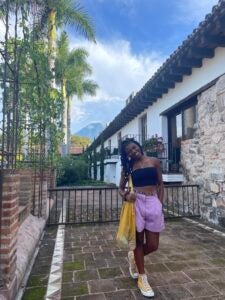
193, 11
77, 110
118, 72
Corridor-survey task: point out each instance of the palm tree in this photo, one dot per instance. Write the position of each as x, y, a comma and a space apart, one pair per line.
56, 14
71, 71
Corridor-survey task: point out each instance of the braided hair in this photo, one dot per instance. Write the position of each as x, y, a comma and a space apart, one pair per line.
127, 164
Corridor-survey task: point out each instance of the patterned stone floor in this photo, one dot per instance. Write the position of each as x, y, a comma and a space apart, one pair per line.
190, 264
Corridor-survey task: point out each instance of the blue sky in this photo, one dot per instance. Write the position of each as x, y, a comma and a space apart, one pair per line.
134, 37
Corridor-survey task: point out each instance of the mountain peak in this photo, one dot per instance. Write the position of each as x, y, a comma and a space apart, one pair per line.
91, 131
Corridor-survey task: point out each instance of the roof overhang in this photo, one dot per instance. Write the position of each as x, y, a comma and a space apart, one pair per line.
201, 44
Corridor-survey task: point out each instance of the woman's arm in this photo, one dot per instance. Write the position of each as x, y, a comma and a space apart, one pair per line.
160, 191
122, 185
126, 195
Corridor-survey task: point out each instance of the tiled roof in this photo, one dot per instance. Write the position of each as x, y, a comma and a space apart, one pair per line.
200, 44
76, 150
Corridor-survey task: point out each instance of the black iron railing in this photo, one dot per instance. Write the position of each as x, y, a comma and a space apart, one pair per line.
168, 155
83, 205
181, 201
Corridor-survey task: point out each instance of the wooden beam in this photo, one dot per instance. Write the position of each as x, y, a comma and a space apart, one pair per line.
160, 90
201, 52
148, 103
151, 94
147, 95
213, 40
177, 70
129, 112
172, 77
190, 62
165, 83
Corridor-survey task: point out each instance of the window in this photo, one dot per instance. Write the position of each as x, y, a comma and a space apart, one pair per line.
182, 122
189, 118
181, 126
143, 128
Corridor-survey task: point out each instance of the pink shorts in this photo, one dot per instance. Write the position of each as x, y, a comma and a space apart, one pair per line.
148, 213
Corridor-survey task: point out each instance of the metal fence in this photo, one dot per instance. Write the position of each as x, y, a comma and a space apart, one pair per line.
84, 205
168, 155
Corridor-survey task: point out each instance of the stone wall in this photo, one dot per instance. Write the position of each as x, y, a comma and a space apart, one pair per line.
21, 192
9, 225
203, 157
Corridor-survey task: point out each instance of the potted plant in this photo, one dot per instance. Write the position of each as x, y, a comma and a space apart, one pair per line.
153, 146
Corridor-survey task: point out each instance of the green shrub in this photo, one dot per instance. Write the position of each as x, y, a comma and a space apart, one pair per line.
71, 170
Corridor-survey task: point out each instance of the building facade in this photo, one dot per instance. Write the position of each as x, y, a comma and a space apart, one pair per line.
183, 108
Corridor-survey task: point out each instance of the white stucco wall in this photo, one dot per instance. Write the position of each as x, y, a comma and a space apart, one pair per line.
211, 69
156, 124
112, 171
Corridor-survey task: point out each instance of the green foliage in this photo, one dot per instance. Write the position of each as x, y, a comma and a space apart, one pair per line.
68, 12
39, 103
153, 146
71, 170
95, 163
92, 182
80, 141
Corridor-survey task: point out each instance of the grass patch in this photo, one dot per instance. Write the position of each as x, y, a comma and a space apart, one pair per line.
109, 272
72, 266
74, 289
37, 293
37, 280
85, 275
218, 261
67, 277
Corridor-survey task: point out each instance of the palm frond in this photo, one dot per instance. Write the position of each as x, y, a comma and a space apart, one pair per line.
76, 16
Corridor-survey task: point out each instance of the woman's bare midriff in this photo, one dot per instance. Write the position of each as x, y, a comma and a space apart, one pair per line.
148, 190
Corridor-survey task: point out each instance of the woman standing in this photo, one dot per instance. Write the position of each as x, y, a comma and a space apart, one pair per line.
148, 196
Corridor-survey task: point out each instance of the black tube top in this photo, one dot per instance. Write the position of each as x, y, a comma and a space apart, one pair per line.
144, 176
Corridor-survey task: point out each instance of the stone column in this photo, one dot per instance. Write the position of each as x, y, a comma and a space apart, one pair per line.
39, 194
25, 193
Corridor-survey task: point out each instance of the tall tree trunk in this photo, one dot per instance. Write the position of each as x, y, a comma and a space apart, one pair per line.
64, 118
51, 63
69, 123
52, 44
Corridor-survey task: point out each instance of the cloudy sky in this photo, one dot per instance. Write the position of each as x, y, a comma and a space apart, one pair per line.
134, 37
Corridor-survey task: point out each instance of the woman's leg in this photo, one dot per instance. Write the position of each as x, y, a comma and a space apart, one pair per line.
152, 242
143, 284
139, 252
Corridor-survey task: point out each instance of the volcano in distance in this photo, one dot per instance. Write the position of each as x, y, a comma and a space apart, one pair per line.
91, 131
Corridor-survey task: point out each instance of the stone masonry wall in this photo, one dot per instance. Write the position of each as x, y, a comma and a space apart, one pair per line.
9, 225
203, 157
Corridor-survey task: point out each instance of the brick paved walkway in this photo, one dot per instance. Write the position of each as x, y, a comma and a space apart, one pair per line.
190, 264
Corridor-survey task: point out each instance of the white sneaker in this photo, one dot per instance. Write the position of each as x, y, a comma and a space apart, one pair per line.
132, 265
144, 286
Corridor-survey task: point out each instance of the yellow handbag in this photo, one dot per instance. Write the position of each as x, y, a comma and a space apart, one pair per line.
126, 234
